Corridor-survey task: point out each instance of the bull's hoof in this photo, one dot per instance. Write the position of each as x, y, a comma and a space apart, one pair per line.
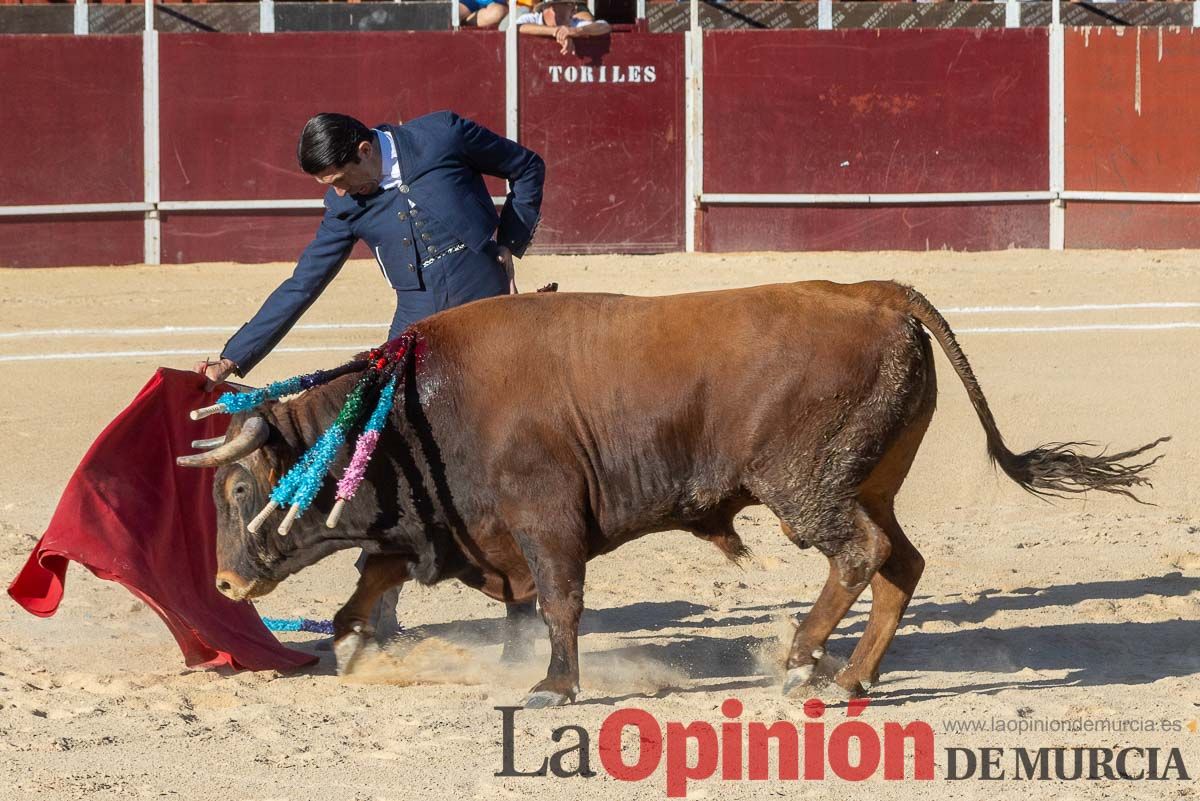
350, 649
542, 699
797, 679
851, 687
811, 680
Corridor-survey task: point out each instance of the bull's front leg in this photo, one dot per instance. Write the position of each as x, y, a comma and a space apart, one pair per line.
351, 627
559, 578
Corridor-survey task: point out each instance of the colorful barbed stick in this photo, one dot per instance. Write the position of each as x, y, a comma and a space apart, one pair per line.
363, 450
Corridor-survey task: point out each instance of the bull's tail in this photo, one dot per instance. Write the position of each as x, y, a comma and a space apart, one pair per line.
1054, 468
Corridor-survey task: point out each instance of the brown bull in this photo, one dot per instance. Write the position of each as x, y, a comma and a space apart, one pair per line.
540, 431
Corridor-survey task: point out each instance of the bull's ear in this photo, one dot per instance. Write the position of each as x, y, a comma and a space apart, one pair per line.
253, 435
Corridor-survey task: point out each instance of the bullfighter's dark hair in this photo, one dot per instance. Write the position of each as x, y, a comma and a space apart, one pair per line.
330, 140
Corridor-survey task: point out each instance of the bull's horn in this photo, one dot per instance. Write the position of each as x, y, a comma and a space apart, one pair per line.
208, 444
253, 434
208, 411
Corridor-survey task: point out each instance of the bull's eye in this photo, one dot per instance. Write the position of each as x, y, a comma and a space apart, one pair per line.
240, 490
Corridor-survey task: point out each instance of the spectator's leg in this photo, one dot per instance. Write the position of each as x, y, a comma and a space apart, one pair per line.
490, 15
466, 17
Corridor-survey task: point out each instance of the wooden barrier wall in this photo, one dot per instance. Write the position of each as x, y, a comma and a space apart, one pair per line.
609, 121
883, 111
1133, 125
795, 111
70, 132
232, 135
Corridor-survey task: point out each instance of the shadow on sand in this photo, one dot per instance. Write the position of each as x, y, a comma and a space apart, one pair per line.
1089, 654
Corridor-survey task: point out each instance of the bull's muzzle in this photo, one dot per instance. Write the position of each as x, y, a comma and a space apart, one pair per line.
236, 588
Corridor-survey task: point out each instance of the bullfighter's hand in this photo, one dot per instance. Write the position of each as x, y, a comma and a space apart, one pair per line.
215, 372
505, 258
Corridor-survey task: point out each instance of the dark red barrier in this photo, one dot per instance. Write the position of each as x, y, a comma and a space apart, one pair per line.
864, 111
71, 129
961, 227
233, 106
66, 240
1133, 125
609, 123
1122, 226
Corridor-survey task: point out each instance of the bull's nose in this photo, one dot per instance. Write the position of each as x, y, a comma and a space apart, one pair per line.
232, 585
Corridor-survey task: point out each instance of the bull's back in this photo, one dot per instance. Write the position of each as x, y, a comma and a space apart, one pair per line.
654, 397
587, 344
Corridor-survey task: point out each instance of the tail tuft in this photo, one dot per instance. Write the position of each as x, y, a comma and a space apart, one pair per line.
1057, 468
1053, 470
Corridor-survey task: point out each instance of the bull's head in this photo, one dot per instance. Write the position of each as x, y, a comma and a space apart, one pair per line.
249, 459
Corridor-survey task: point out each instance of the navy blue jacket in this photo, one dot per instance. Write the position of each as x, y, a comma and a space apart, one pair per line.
443, 158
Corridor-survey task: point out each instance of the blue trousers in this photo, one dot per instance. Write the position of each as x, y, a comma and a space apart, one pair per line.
452, 280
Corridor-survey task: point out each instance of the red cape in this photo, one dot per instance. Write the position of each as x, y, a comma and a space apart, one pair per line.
130, 515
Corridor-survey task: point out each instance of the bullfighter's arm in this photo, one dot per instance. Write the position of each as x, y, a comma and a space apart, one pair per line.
521, 167
318, 265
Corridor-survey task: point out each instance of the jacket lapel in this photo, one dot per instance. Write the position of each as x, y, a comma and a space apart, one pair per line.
403, 140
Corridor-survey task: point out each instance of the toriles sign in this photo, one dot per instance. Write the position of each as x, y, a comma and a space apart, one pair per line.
620, 73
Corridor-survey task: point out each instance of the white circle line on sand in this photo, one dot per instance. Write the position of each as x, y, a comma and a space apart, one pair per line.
1081, 307
222, 329
172, 329
1066, 329
139, 354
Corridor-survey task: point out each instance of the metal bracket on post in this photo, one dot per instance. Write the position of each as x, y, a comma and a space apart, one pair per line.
150, 171
1057, 132
81, 17
266, 16
825, 15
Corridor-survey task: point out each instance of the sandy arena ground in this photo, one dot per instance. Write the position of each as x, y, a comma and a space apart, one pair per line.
1085, 610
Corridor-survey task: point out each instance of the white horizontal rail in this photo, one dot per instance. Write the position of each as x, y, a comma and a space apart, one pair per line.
872, 199
240, 205
74, 208
1131, 197
171, 205
712, 199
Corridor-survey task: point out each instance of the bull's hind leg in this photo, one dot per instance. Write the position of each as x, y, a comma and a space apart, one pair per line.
520, 623
894, 584
891, 590
351, 629
854, 556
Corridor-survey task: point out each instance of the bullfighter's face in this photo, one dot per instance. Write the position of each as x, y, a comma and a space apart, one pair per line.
360, 177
